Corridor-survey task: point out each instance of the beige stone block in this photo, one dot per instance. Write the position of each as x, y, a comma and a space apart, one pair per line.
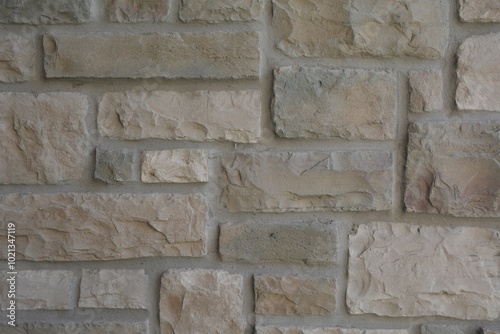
216, 11
199, 116
201, 301
17, 58
45, 11
174, 166
80, 227
89, 328
325, 330
131, 11
426, 91
480, 10
409, 270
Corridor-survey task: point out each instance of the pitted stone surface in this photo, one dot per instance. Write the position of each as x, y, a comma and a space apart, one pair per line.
321, 103
385, 28
480, 10
125, 11
221, 10
114, 164
307, 181
107, 288
79, 227
452, 168
409, 270
287, 295
426, 89
17, 58
325, 330
201, 301
43, 139
175, 166
45, 11
215, 55
199, 116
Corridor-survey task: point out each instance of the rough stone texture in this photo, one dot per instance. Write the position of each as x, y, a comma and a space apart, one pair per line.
169, 55
452, 168
386, 28
215, 11
311, 244
87, 328
18, 329
307, 181
480, 10
201, 301
176, 166
126, 11
426, 89
45, 11
17, 58
79, 227
43, 138
114, 164
289, 295
409, 270
491, 332
199, 115
321, 103
444, 329
107, 288
325, 330
479, 73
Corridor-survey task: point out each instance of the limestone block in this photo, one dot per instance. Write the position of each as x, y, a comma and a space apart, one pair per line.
17, 58
175, 166
131, 11
325, 330
89, 328
45, 11
216, 11
480, 10
443, 329
426, 89
114, 164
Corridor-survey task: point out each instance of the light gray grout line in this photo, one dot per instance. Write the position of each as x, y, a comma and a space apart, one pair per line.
154, 305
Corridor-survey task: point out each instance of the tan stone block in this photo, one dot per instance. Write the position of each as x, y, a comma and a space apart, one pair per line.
89, 328
325, 330
426, 89
45, 11
216, 11
17, 58
175, 166
126, 11
480, 10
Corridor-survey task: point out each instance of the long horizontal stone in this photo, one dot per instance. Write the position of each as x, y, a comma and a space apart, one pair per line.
45, 11
480, 10
409, 270
78, 328
443, 329
169, 55
453, 168
17, 58
131, 11
220, 10
79, 227
200, 115
175, 166
325, 330
307, 181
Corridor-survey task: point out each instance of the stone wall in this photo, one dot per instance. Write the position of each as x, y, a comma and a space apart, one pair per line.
250, 166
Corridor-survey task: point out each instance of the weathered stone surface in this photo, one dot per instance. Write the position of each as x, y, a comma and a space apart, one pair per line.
169, 55
176, 166
480, 10
108, 288
43, 139
479, 73
137, 11
45, 11
79, 227
199, 116
89, 328
17, 58
491, 332
201, 301
288, 295
307, 181
312, 244
409, 270
216, 11
426, 89
325, 330
386, 28
452, 168
443, 329
322, 103
114, 164
18, 329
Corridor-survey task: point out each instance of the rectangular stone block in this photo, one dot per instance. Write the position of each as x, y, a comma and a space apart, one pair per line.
131, 11
45, 11
216, 11
44, 139
307, 181
17, 58
311, 244
88, 328
107, 288
452, 168
321, 103
198, 116
443, 329
426, 91
409, 270
201, 301
325, 330
169, 55
80, 227
288, 295
480, 10
175, 166
114, 164
382, 28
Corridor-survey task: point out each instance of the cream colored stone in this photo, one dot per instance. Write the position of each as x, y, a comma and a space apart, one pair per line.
426, 89
325, 330
17, 58
79, 227
199, 116
43, 139
287, 295
453, 168
215, 11
479, 73
480, 10
107, 288
169, 55
45, 11
137, 11
201, 301
307, 181
409, 270
321, 103
89, 328
176, 166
